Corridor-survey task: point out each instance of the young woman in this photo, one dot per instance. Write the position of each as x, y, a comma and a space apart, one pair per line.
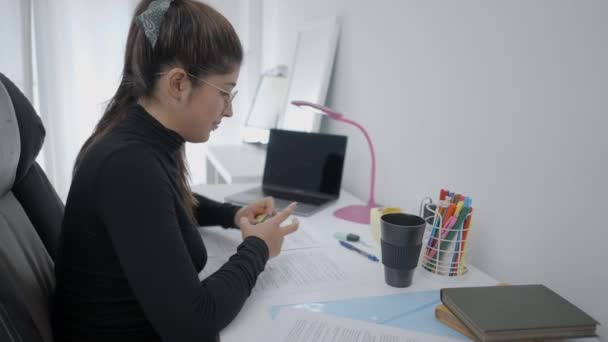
130, 253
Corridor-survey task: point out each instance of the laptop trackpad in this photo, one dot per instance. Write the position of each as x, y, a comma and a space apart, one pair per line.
302, 209
250, 196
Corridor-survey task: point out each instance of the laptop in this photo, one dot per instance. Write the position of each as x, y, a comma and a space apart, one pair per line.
300, 167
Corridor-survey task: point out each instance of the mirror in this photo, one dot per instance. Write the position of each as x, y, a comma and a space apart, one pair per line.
268, 102
265, 109
310, 74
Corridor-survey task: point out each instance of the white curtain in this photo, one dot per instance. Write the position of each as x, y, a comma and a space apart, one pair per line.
79, 49
15, 55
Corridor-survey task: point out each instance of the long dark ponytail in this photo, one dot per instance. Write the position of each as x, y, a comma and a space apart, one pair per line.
193, 36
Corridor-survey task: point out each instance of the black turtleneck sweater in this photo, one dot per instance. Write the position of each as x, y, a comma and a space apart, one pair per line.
129, 255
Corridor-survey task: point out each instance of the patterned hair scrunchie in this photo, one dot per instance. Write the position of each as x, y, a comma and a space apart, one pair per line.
151, 19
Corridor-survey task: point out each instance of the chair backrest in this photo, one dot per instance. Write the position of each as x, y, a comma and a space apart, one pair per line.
30, 223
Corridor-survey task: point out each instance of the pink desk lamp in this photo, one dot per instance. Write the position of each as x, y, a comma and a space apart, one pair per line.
353, 213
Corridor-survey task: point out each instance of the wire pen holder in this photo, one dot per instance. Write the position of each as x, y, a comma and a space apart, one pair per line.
446, 250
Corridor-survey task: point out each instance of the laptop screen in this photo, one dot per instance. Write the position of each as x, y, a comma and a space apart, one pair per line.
310, 162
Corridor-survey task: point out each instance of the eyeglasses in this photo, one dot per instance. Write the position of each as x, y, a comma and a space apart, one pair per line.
228, 96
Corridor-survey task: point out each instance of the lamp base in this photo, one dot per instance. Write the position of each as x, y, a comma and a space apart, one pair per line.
355, 213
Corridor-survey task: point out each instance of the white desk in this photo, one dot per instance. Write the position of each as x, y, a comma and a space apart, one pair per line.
254, 319
239, 163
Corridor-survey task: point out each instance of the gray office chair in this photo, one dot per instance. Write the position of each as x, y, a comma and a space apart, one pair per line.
30, 223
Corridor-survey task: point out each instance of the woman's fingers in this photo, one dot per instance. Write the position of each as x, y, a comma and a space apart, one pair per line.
284, 214
268, 204
290, 228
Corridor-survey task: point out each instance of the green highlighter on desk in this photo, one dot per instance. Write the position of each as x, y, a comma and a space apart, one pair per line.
347, 237
262, 218
265, 217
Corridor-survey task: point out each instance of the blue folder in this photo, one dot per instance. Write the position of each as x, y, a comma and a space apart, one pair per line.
411, 311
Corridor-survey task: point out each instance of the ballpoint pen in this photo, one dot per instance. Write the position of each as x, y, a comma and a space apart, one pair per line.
355, 249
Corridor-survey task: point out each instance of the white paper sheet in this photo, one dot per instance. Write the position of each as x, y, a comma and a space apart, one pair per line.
307, 269
224, 242
303, 326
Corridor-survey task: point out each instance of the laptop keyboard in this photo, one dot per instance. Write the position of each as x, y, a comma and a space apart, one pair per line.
295, 197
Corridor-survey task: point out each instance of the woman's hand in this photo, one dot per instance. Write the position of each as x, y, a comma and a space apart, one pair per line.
271, 231
250, 212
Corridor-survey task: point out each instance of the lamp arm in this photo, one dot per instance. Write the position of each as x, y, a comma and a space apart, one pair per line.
371, 202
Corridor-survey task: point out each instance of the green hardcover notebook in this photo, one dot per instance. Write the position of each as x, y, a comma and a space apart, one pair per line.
504, 313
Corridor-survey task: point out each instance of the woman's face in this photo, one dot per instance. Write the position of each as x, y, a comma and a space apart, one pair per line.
202, 104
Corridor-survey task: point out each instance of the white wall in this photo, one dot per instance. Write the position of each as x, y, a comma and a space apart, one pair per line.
504, 101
